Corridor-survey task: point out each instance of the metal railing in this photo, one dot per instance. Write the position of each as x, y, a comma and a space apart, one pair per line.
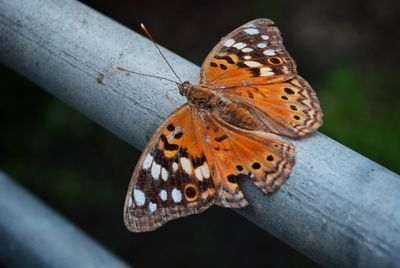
339, 208
33, 235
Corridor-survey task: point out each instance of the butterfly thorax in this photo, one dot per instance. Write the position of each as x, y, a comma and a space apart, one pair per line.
204, 98
200, 96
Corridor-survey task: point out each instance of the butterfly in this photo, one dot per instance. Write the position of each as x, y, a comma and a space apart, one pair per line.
249, 93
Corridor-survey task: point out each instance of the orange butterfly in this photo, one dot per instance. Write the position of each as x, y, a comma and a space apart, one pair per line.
249, 92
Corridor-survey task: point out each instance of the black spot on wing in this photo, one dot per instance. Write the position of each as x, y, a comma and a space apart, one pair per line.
221, 138
198, 161
171, 127
255, 72
168, 146
178, 135
226, 58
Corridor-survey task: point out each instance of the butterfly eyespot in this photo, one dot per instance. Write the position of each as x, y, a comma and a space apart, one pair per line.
213, 64
275, 60
293, 107
284, 98
191, 192
270, 158
288, 91
256, 165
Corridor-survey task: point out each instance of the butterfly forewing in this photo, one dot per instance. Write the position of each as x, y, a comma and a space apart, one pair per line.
250, 55
172, 177
252, 67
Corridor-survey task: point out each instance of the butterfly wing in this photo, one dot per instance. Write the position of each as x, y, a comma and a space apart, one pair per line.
251, 66
289, 108
233, 151
250, 55
171, 179
193, 161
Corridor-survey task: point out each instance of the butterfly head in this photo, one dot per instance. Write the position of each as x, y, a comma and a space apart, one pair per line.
184, 88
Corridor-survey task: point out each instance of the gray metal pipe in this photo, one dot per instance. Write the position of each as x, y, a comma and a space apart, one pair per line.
33, 235
339, 208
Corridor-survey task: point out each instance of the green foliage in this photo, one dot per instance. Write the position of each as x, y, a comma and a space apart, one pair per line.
360, 112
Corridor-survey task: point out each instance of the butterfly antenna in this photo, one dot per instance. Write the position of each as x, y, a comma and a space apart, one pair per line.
149, 75
159, 50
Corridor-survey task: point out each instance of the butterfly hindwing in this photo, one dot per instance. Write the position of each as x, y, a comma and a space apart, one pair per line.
289, 108
265, 157
252, 54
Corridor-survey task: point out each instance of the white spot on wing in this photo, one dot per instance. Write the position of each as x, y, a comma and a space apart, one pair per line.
229, 42
239, 45
247, 57
261, 45
163, 195
198, 174
139, 196
247, 49
164, 174
186, 165
265, 37
176, 195
129, 201
147, 161
251, 31
269, 52
252, 64
152, 207
266, 71
155, 170
205, 170
175, 166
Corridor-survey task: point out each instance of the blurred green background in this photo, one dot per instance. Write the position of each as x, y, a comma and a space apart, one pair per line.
347, 50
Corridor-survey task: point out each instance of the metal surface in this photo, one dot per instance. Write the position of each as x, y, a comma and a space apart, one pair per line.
32, 235
338, 207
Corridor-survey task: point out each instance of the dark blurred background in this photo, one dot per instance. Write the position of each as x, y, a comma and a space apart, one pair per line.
347, 50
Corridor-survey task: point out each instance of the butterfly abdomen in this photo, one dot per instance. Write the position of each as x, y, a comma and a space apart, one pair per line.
237, 115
